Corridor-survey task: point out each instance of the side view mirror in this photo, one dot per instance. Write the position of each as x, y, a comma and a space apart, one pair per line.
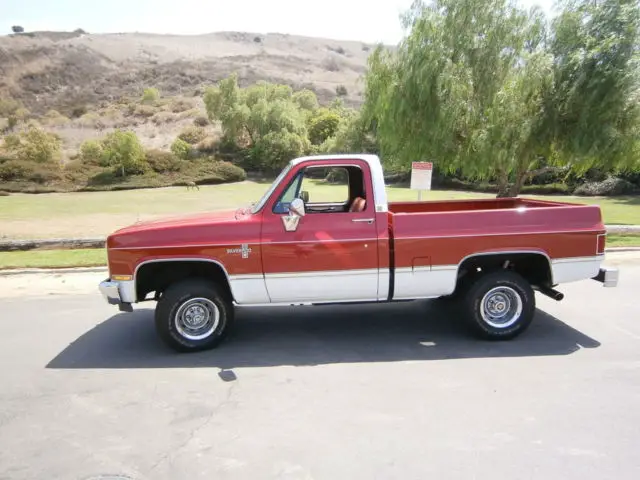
296, 207
296, 212
304, 195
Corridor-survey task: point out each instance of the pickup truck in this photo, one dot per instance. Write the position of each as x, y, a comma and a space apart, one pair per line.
485, 257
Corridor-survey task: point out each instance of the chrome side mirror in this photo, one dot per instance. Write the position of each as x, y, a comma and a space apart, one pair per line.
304, 195
296, 212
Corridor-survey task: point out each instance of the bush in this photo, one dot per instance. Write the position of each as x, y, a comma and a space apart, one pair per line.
201, 121
90, 120
145, 111
150, 96
209, 171
123, 151
323, 125
161, 161
276, 149
55, 118
14, 170
341, 91
208, 144
8, 106
180, 105
78, 111
163, 117
34, 145
611, 186
192, 134
91, 152
181, 149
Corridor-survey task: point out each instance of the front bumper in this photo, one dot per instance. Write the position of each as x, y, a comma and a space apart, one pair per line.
118, 293
608, 276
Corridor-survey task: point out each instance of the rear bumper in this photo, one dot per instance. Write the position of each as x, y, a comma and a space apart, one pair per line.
118, 293
607, 276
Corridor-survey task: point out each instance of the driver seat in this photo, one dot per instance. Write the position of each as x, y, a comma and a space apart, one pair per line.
358, 205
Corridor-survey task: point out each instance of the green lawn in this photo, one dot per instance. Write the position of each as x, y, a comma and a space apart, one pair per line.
85, 214
53, 258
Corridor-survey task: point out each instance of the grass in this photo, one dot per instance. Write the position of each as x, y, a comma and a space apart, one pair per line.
53, 258
615, 240
85, 214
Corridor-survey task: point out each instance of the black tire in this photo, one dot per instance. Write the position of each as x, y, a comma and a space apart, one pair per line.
206, 297
514, 291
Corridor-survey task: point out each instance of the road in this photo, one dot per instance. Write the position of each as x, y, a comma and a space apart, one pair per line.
360, 392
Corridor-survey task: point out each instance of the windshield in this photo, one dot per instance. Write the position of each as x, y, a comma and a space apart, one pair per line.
258, 206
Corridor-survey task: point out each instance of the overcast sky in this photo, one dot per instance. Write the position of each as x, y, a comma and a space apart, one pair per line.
339, 19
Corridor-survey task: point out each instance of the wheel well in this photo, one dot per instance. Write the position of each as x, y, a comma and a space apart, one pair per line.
534, 267
157, 276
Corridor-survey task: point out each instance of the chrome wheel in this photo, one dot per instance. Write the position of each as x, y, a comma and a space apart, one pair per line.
197, 318
501, 307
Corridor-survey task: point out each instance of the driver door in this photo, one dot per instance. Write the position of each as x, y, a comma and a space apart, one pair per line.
331, 254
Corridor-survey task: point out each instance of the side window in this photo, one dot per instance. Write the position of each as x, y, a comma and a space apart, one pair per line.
324, 190
326, 186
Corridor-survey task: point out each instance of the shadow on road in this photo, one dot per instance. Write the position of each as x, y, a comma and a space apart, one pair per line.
421, 330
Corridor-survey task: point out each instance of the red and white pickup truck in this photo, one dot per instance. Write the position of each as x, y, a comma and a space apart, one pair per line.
488, 256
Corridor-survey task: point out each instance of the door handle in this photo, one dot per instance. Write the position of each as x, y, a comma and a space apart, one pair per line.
363, 220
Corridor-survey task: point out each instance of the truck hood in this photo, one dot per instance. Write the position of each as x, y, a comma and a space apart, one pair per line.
184, 230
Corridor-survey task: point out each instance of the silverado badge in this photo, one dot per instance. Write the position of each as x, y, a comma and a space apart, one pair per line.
244, 250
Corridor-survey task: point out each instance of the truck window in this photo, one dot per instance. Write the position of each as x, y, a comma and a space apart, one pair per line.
324, 190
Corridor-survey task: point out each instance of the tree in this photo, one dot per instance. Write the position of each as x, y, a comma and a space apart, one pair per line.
596, 98
323, 125
123, 150
17, 29
249, 115
181, 149
445, 95
34, 145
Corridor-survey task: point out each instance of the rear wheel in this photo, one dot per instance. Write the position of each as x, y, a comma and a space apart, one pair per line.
498, 305
193, 315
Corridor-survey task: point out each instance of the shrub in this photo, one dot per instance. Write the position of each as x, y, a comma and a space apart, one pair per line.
208, 144
144, 111
91, 152
34, 145
201, 121
341, 91
55, 118
123, 151
90, 120
212, 171
161, 161
150, 95
180, 105
610, 186
163, 117
21, 114
14, 170
323, 125
276, 149
192, 134
78, 111
8, 106
181, 149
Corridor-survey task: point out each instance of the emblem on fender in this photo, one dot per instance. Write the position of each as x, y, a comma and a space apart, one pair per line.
244, 250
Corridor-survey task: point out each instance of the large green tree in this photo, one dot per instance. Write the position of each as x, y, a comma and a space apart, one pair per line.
596, 97
476, 88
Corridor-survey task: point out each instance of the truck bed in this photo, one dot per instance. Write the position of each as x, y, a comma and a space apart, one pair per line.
473, 204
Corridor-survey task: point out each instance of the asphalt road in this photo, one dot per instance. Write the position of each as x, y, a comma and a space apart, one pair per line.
360, 392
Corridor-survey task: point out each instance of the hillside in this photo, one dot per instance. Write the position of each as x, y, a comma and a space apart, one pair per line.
60, 70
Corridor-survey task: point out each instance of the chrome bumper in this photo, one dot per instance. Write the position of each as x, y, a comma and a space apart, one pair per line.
607, 276
113, 294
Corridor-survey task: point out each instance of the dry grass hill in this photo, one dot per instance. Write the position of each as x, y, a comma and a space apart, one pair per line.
58, 70
90, 79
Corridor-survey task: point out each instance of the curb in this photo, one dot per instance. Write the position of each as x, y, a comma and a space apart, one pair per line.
47, 271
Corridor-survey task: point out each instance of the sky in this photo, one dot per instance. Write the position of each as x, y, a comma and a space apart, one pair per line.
338, 19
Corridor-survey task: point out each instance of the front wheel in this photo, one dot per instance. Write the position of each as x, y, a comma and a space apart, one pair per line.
193, 315
499, 305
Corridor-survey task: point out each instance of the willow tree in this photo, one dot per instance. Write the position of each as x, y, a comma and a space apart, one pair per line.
476, 88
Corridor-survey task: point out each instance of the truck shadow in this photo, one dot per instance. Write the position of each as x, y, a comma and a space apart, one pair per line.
304, 336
